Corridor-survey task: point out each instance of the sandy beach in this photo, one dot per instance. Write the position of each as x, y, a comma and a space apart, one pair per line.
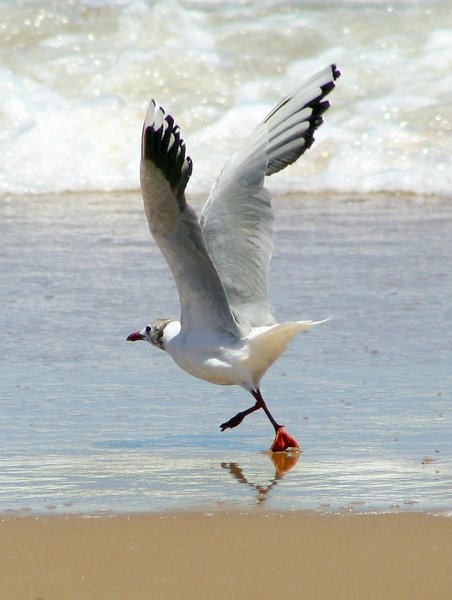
237, 556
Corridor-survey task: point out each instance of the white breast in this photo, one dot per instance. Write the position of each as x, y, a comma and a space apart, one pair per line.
217, 359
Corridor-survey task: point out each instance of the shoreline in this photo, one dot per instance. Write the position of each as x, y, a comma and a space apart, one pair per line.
226, 555
373, 438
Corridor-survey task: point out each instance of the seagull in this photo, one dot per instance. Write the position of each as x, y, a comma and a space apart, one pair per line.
227, 333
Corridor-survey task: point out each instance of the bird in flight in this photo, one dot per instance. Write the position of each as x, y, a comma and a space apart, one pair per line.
227, 333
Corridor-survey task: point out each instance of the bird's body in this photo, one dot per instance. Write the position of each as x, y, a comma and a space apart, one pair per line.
225, 359
227, 333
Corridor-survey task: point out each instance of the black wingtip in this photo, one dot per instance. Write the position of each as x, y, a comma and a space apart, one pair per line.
163, 146
328, 87
335, 71
279, 157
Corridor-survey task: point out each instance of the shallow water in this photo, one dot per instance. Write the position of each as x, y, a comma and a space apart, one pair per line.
91, 423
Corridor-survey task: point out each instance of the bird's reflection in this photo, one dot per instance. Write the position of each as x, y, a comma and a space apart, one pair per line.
282, 461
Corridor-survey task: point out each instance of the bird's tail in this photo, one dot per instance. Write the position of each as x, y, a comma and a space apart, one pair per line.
305, 325
269, 343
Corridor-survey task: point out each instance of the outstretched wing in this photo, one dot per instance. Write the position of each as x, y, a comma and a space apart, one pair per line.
237, 218
165, 171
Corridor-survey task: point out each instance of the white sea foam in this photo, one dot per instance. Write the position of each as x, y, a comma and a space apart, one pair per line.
75, 79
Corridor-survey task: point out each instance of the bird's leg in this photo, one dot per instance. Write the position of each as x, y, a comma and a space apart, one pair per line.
239, 417
235, 421
260, 401
283, 441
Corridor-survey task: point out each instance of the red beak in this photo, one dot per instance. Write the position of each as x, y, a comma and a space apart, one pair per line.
135, 336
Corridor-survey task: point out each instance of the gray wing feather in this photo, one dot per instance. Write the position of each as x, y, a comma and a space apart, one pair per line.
237, 218
165, 170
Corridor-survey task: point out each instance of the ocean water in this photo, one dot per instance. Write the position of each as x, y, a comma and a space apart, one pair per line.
76, 77
90, 422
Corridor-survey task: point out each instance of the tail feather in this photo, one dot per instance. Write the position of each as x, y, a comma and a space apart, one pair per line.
268, 343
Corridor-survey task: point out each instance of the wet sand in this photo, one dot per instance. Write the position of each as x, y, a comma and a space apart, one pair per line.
91, 421
196, 556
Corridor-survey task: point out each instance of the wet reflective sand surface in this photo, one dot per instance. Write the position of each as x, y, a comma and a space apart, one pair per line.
91, 423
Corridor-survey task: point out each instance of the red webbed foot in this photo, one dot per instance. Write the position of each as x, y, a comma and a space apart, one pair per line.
283, 441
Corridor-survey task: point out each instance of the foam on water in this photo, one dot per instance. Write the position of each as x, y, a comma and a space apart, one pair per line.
75, 79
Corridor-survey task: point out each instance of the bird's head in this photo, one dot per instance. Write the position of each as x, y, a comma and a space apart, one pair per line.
152, 333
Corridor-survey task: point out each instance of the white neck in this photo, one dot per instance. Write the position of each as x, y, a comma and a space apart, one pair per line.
170, 332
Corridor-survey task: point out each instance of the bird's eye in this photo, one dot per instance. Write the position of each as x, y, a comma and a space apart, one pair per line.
148, 329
